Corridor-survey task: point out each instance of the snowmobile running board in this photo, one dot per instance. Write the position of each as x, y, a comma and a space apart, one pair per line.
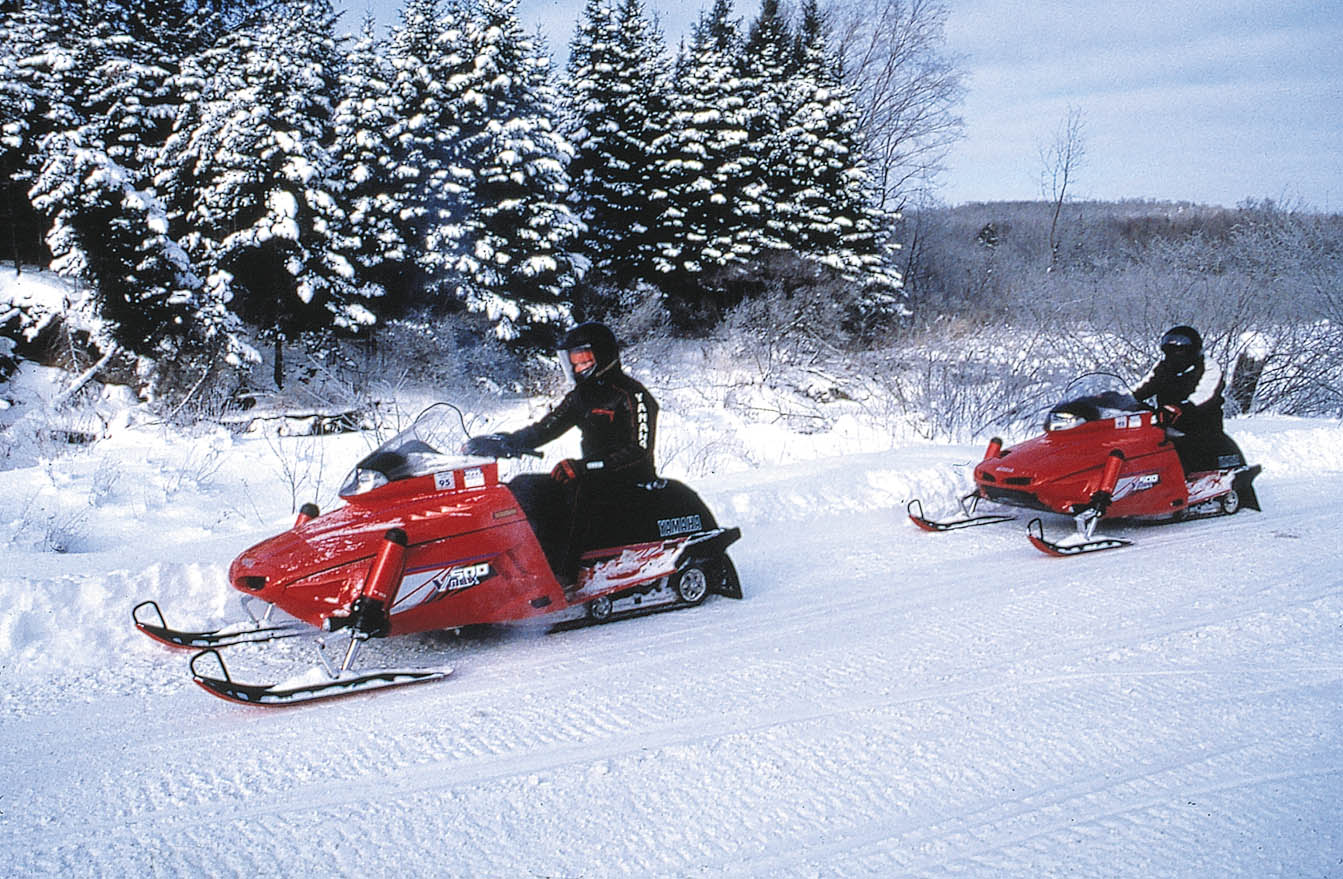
1035, 530
239, 633
915, 510
321, 686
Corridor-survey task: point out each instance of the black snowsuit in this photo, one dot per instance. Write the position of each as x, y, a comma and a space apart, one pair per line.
1196, 389
617, 417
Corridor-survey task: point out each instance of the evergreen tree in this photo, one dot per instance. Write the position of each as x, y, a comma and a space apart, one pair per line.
262, 202
105, 105
125, 101
429, 61
825, 206
709, 209
505, 231
617, 93
374, 190
26, 93
106, 232
769, 70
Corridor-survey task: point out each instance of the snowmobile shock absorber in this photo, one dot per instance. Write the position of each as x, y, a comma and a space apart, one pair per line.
306, 514
995, 447
370, 614
1101, 498
385, 577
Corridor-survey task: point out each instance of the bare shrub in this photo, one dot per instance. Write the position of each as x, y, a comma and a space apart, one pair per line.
49, 526
300, 462
1260, 282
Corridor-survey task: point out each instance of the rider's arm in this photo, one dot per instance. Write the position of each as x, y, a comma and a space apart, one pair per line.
1148, 386
551, 426
1208, 385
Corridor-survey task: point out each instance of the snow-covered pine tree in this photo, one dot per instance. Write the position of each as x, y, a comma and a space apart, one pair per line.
705, 164
616, 93
506, 232
107, 226
428, 58
825, 207
263, 204
125, 100
367, 166
768, 68
26, 93
106, 232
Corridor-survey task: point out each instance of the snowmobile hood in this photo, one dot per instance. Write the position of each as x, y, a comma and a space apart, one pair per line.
1062, 454
353, 534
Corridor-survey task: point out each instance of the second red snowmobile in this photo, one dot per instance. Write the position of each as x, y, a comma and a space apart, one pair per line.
431, 539
1103, 455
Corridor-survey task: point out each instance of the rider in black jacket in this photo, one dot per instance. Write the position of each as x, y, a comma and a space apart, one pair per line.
617, 417
1188, 390
615, 414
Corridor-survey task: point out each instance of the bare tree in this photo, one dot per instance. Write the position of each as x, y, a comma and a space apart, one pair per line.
1060, 158
907, 86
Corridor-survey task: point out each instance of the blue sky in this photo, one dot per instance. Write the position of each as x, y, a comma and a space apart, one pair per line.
1211, 102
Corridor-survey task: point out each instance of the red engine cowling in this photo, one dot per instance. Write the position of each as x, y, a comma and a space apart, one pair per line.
1061, 470
470, 556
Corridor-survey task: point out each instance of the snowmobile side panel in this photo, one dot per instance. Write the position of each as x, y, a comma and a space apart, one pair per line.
488, 576
708, 546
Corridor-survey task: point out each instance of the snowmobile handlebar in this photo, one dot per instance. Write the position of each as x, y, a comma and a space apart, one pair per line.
497, 445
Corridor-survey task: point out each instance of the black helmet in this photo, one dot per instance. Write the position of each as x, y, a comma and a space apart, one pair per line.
1182, 344
588, 350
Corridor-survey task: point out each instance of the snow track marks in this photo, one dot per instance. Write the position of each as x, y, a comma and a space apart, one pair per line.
884, 702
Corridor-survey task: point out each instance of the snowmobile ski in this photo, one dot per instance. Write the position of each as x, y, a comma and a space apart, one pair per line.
255, 632
314, 686
1078, 544
968, 519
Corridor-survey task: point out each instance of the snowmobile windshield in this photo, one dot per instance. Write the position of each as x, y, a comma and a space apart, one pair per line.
427, 446
1092, 397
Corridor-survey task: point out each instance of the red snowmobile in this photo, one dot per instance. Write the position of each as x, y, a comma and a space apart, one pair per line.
1103, 454
431, 539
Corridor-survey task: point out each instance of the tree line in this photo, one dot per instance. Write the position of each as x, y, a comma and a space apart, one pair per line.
218, 171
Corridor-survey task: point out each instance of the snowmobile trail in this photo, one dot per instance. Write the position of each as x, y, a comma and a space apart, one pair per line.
883, 702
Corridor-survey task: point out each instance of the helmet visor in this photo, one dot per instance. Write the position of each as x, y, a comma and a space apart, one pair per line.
580, 362
1177, 344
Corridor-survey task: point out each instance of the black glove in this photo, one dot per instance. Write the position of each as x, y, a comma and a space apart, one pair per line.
566, 471
491, 445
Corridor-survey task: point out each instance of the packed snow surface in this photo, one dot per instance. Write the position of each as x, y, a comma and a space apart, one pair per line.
883, 702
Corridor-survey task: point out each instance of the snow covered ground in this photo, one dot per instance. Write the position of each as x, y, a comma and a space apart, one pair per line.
883, 702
